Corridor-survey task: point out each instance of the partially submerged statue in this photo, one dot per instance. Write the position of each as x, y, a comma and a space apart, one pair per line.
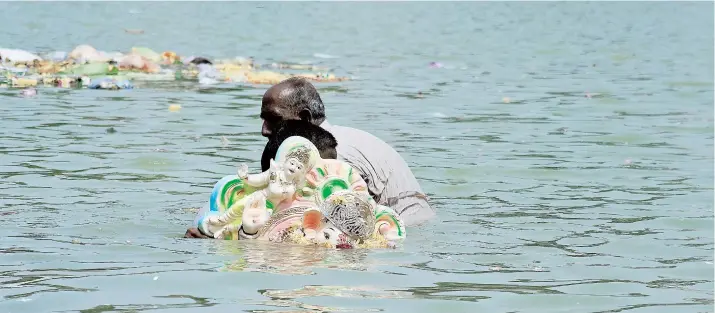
276, 185
302, 199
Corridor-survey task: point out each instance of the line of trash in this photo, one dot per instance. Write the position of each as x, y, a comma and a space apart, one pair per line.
87, 67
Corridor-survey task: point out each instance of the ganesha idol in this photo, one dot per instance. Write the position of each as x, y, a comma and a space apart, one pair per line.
301, 199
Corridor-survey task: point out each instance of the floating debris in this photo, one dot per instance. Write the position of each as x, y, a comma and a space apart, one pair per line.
134, 31
18, 55
224, 141
29, 92
291, 66
174, 107
87, 67
23, 82
110, 83
559, 131
324, 56
198, 60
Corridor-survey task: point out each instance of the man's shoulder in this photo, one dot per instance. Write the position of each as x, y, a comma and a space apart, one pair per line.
357, 143
355, 131
357, 137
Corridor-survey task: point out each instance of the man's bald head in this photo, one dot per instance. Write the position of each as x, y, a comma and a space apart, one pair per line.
292, 99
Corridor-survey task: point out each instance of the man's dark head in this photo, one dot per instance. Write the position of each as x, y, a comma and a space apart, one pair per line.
292, 99
321, 138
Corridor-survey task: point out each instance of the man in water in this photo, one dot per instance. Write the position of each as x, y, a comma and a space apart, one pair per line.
390, 181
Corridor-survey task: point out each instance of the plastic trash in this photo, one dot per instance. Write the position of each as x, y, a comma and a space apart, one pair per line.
179, 74
92, 69
237, 61
87, 54
324, 56
163, 75
82, 51
197, 61
134, 31
147, 53
23, 82
244, 61
137, 62
13, 71
109, 83
170, 57
16, 55
113, 56
28, 92
265, 77
64, 82
65, 69
132, 61
57, 56
208, 75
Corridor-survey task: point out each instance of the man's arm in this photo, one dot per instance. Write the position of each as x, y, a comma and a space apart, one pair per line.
412, 206
194, 232
390, 183
404, 195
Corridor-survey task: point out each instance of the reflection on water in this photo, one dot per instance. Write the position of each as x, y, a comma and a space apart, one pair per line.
290, 259
193, 302
568, 148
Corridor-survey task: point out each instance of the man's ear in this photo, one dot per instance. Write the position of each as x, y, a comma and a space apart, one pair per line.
306, 116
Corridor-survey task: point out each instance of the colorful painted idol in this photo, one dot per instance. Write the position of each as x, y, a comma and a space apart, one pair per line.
301, 199
278, 184
345, 220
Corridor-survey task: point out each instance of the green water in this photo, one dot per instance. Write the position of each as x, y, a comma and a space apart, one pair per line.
591, 190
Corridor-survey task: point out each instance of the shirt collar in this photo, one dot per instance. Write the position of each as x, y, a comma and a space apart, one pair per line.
325, 125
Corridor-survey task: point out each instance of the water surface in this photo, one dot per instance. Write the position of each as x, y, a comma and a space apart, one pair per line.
568, 148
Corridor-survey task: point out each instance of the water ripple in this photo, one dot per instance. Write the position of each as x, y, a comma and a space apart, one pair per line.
570, 158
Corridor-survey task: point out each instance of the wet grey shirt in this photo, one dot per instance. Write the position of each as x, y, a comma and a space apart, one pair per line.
388, 177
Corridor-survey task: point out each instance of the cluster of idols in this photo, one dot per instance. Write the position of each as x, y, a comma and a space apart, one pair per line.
301, 199
60, 69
